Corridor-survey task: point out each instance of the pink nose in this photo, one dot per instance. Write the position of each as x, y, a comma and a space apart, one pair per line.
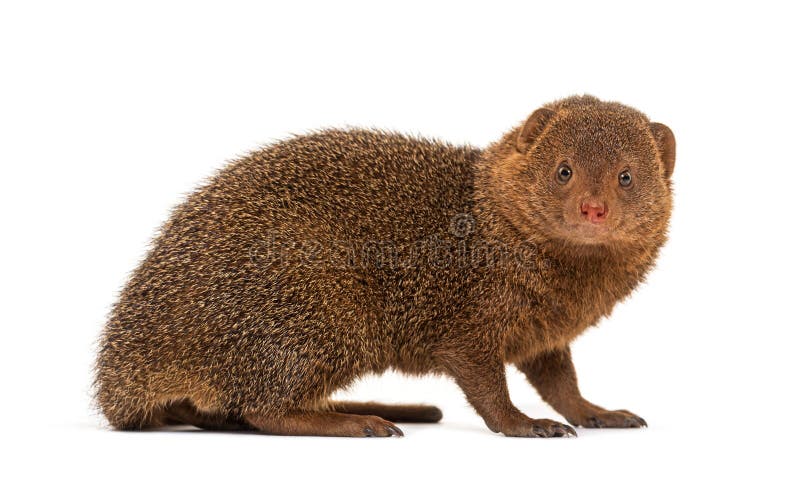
594, 212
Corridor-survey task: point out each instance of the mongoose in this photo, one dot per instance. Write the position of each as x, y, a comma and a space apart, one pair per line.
319, 259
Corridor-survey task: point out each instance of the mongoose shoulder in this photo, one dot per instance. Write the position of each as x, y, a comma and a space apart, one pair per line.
322, 258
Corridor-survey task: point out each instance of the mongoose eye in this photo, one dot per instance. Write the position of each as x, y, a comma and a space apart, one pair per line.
625, 178
564, 173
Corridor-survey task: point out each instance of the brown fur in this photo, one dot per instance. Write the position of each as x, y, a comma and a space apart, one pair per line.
328, 256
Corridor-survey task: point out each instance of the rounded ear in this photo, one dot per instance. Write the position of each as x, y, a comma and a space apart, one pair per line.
665, 141
533, 128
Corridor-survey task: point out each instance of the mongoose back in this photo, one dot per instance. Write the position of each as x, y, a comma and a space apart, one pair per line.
319, 259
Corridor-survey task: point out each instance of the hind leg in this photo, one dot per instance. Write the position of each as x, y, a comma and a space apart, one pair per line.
399, 413
322, 423
184, 412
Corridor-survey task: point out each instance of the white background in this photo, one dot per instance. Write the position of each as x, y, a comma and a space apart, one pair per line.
110, 113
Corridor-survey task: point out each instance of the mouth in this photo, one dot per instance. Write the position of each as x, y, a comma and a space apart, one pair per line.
588, 233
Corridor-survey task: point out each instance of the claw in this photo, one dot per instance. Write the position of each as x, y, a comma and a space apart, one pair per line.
570, 431
395, 431
369, 432
635, 422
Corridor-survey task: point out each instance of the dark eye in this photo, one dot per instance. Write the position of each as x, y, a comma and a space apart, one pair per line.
564, 173
625, 178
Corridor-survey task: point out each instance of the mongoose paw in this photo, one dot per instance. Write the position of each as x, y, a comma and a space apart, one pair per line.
609, 419
376, 427
539, 428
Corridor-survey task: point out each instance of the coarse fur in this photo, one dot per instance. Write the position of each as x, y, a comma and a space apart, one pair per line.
328, 256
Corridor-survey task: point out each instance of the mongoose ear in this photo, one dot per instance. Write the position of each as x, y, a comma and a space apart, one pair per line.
665, 141
533, 128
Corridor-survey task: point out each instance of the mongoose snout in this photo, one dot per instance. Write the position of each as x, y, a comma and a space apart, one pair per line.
594, 211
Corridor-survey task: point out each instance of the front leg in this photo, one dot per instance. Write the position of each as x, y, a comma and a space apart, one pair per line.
553, 375
482, 377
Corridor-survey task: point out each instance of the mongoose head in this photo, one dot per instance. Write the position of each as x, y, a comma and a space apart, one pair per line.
586, 172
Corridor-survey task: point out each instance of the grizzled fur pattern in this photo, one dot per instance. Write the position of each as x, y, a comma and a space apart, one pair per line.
325, 257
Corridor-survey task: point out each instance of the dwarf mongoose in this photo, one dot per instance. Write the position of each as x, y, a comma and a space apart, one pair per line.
319, 259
